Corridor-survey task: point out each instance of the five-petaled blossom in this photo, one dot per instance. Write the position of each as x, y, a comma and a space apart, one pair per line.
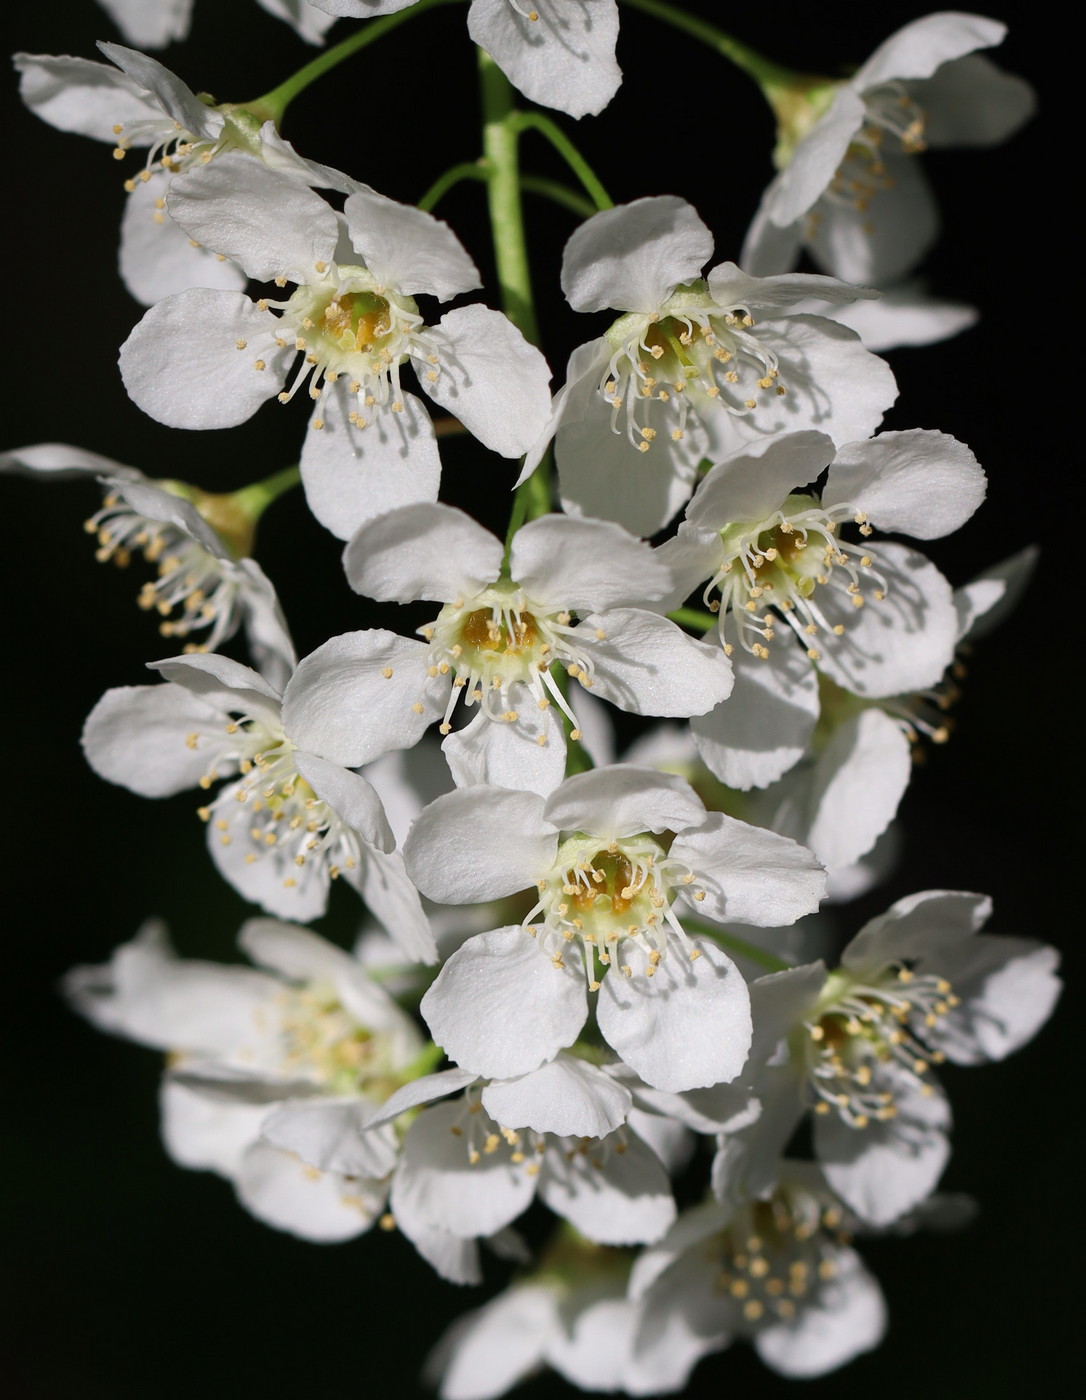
560, 53
209, 359
852, 190
917, 986
495, 643
274, 1073
286, 821
687, 373
140, 104
616, 858
207, 586
797, 599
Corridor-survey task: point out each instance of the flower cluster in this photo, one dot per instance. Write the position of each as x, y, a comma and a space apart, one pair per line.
595, 980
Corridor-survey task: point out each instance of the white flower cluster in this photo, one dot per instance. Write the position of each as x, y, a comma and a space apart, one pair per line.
639, 987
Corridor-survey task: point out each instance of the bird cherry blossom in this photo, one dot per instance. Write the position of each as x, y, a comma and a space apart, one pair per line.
615, 858
348, 329
852, 191
564, 598
286, 821
687, 373
274, 1072
877, 620
199, 542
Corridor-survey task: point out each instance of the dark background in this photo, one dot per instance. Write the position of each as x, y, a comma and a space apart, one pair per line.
132, 1278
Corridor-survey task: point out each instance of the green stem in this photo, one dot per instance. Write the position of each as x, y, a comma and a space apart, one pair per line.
274, 103
501, 126
558, 193
254, 500
739, 946
466, 170
537, 121
763, 70
694, 618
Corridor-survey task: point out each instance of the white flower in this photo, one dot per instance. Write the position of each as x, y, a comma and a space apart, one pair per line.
687, 374
351, 324
778, 1271
916, 986
286, 822
495, 642
140, 104
206, 586
616, 856
560, 53
878, 621
274, 1074
151, 24
852, 191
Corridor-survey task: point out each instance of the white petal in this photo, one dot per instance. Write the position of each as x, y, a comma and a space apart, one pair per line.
331, 1134
268, 876
623, 800
489, 377
207, 1134
732, 287
567, 1096
584, 564
508, 754
341, 704
847, 1318
614, 1192
174, 97
833, 385
407, 249
972, 102
887, 1168
764, 726
350, 796
752, 485
420, 1091
267, 222
686, 1027
279, 1189
648, 665
81, 96
427, 550
303, 18
906, 315
182, 366
157, 258
501, 1008
479, 843
919, 48
438, 1185
858, 781
394, 902
562, 56
631, 258
900, 643
815, 160
61, 460
918, 926
885, 241
226, 684
920, 483
488, 1350
1008, 988
135, 736
770, 248
350, 476
750, 876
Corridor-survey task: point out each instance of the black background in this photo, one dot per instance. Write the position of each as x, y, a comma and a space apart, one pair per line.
132, 1278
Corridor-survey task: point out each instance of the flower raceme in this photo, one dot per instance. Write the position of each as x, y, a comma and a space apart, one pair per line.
286, 820
139, 104
495, 643
691, 371
349, 328
615, 857
796, 598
